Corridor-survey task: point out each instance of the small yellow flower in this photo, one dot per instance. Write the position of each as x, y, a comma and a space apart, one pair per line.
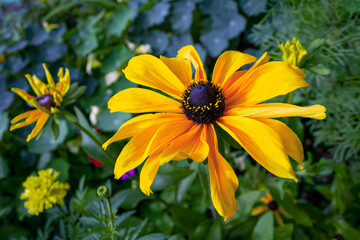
43, 191
48, 27
183, 124
271, 205
293, 52
48, 100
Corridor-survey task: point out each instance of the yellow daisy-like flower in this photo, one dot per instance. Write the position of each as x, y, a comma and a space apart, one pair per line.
43, 191
48, 100
293, 52
183, 125
271, 205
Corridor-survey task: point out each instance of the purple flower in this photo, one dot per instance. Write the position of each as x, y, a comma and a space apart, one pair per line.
127, 175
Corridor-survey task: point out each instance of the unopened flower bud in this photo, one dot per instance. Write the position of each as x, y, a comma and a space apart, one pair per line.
103, 192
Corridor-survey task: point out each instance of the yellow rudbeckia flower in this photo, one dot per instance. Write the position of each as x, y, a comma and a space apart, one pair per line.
48, 99
183, 125
271, 205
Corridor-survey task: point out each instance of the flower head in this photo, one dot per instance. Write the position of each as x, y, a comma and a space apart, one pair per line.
43, 191
183, 124
48, 100
271, 205
293, 52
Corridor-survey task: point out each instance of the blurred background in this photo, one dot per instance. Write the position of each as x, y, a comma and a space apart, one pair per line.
94, 39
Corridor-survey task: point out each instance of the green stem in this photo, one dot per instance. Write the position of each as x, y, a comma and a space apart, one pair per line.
96, 141
176, 188
112, 219
291, 97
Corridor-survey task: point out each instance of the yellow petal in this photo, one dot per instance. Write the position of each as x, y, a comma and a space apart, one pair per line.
276, 110
189, 52
148, 173
262, 143
239, 78
32, 84
258, 210
40, 85
138, 100
265, 82
290, 140
24, 115
39, 125
147, 142
138, 124
223, 181
150, 71
29, 99
190, 145
64, 81
228, 63
49, 77
181, 67
278, 218
31, 117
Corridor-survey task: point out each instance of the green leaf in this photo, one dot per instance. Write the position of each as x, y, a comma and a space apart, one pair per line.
345, 229
167, 176
4, 168
187, 219
69, 116
86, 45
284, 232
320, 69
4, 123
154, 236
208, 230
55, 130
47, 142
60, 165
299, 214
117, 57
246, 202
119, 21
315, 44
186, 183
264, 228
111, 122
75, 93
132, 198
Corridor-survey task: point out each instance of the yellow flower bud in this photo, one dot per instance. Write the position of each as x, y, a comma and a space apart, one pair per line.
293, 52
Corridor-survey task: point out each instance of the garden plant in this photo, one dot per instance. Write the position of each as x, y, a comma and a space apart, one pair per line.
180, 119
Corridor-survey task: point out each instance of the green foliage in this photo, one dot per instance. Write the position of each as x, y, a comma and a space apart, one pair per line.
96, 38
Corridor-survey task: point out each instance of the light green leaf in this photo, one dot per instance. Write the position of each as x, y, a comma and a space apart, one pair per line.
119, 21
264, 228
117, 57
4, 167
186, 218
4, 123
320, 69
284, 232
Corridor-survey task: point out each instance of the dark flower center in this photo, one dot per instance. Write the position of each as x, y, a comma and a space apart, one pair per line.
273, 205
203, 102
46, 101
